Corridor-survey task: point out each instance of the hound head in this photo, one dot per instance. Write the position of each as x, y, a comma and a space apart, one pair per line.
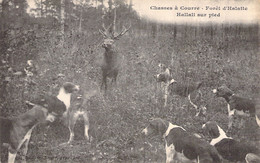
161, 77
42, 114
212, 129
70, 87
162, 66
156, 127
164, 77
222, 91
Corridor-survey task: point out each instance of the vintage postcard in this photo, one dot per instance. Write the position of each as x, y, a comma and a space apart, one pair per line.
130, 81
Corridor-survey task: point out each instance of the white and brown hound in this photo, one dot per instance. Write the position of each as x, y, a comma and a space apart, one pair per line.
78, 109
185, 90
237, 105
173, 87
164, 79
63, 99
229, 148
17, 131
181, 145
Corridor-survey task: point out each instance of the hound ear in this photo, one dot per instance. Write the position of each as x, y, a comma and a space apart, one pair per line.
160, 125
212, 129
167, 71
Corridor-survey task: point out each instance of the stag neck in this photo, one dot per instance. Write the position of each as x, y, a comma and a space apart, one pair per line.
110, 48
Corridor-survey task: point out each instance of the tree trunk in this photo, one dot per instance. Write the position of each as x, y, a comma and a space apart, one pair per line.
103, 14
41, 9
5, 8
62, 20
80, 19
114, 21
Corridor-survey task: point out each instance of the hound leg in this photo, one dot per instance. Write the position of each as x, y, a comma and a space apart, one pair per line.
257, 120
251, 158
25, 141
72, 123
11, 157
72, 118
25, 151
195, 106
26, 147
170, 152
165, 100
86, 124
230, 117
12, 153
166, 94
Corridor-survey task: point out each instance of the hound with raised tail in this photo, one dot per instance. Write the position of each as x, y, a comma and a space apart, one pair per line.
237, 105
17, 131
181, 145
172, 87
229, 148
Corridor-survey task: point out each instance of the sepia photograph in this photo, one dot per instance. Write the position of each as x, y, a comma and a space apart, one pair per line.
130, 81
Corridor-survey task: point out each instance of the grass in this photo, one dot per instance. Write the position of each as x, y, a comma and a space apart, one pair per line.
116, 119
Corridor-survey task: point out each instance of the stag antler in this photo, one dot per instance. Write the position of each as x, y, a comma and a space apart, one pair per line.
105, 32
122, 32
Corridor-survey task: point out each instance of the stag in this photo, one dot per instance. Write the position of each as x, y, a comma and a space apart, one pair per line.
110, 65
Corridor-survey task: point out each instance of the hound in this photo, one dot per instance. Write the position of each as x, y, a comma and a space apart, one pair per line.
171, 87
17, 131
79, 109
229, 148
166, 79
185, 90
237, 105
62, 100
181, 145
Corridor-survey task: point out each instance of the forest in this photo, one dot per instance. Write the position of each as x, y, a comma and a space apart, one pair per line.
62, 38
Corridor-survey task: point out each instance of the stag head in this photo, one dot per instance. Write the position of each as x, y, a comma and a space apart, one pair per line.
110, 37
107, 43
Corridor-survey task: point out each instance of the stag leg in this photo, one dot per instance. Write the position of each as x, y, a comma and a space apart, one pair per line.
86, 124
104, 82
114, 78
